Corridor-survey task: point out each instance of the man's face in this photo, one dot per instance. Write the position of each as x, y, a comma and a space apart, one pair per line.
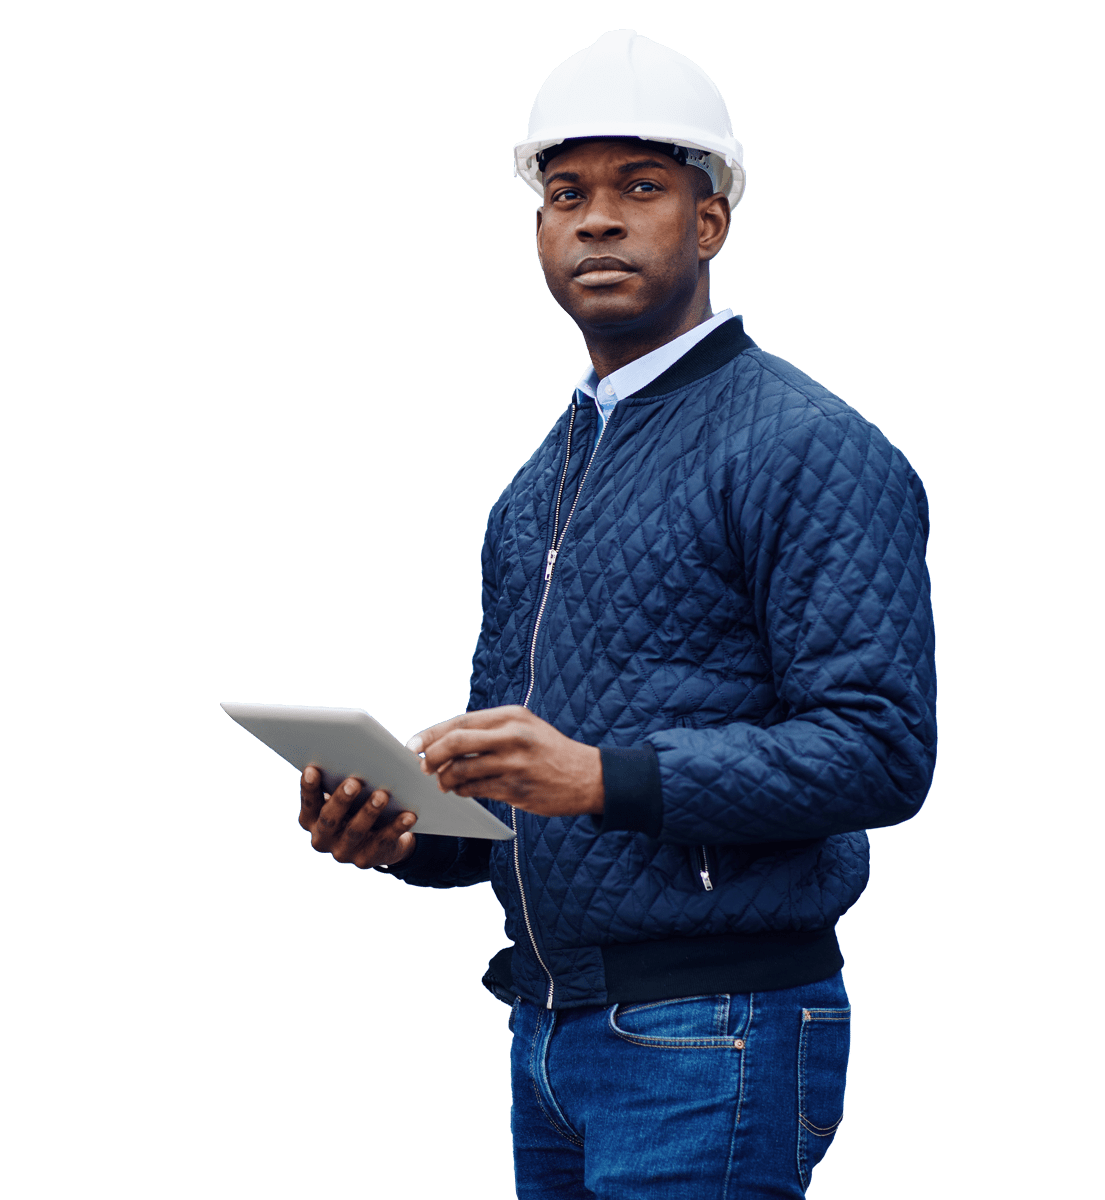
622, 233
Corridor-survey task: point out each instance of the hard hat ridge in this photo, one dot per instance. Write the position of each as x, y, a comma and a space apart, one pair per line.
629, 86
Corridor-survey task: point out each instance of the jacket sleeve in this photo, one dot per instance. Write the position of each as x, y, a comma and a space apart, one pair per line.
830, 528
448, 861
444, 862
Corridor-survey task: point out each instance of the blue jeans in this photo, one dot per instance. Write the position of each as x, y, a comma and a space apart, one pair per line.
711, 1096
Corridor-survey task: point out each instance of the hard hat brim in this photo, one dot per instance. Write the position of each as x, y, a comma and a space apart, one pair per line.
728, 156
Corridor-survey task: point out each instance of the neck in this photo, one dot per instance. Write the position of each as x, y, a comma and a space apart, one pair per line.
613, 348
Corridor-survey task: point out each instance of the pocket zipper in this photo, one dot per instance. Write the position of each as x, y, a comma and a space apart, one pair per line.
702, 862
704, 870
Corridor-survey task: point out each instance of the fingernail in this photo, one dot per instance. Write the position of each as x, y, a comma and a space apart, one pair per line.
351, 789
409, 819
415, 744
379, 801
310, 775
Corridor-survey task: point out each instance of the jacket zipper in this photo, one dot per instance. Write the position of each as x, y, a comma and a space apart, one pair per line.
704, 870
550, 563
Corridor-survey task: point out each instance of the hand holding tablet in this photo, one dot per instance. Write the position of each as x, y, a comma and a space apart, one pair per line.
353, 832
347, 744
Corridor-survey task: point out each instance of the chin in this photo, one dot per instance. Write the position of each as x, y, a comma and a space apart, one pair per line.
606, 309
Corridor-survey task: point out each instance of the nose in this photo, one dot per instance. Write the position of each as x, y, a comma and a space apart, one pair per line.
600, 221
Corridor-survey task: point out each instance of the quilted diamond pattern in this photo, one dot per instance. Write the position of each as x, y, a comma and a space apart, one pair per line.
742, 586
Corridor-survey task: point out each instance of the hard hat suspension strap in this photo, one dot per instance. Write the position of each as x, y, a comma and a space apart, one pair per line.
683, 155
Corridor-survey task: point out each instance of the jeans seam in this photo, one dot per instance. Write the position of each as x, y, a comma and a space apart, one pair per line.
799, 1156
632, 1008
566, 1131
677, 1043
820, 1130
746, 1033
810, 1017
662, 1043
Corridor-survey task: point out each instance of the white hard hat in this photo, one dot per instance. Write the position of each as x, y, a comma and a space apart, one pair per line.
629, 86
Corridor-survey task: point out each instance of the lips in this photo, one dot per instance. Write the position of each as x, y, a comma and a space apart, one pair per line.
603, 272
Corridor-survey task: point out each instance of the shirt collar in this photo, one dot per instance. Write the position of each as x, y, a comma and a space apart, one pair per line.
622, 383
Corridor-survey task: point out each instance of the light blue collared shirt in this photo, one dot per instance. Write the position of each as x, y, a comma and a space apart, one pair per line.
622, 383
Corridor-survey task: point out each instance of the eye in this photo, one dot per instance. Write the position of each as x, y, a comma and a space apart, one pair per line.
644, 185
568, 194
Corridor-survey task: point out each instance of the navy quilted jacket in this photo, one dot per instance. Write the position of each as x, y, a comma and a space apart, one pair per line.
739, 616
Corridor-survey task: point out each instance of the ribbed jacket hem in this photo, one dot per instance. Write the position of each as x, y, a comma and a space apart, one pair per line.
734, 963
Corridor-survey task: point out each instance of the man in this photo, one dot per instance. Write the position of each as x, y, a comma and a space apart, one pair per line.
705, 668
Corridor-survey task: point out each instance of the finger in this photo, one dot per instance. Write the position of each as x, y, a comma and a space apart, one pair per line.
510, 787
458, 743
483, 718
388, 845
310, 795
359, 827
332, 815
404, 848
493, 765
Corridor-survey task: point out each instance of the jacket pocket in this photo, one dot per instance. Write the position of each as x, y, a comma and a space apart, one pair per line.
822, 1067
699, 855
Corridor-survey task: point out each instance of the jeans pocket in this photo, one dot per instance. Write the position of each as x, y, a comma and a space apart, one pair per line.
690, 1023
822, 1068
513, 1013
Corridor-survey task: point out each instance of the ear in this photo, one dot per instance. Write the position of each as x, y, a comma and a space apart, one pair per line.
540, 259
713, 225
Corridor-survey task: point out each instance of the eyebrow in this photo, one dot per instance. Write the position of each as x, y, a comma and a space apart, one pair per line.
624, 169
640, 164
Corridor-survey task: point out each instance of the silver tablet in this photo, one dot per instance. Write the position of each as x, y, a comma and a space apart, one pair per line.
346, 741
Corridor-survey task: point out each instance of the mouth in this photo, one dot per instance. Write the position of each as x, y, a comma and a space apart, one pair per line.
602, 272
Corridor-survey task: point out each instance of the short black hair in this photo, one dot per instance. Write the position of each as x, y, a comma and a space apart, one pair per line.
703, 185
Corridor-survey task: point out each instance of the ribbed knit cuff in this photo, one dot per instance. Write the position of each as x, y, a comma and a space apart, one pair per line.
426, 861
633, 801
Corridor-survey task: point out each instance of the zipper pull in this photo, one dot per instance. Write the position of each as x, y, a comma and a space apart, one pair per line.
704, 874
550, 563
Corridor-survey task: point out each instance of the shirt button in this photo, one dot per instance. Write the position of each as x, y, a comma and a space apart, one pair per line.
609, 390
